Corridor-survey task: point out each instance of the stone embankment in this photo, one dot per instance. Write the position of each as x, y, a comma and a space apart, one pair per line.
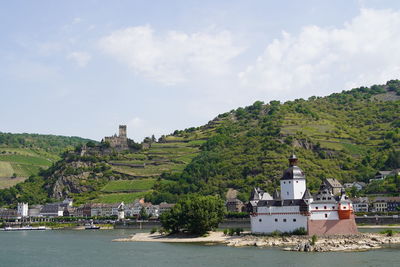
360, 242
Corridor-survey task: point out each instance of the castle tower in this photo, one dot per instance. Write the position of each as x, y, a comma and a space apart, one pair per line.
293, 181
122, 131
22, 209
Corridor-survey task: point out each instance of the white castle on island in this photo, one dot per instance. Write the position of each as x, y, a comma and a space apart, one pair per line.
294, 207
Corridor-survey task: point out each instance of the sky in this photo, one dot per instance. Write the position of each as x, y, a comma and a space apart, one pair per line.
81, 68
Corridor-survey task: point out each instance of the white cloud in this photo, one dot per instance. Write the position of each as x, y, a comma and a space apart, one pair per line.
80, 58
322, 60
173, 57
76, 20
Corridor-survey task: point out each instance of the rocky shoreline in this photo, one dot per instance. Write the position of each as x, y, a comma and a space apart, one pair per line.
359, 242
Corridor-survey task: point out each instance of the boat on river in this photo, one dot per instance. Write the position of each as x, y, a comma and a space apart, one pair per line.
25, 228
91, 226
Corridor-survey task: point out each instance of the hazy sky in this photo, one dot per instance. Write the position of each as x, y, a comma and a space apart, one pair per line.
84, 67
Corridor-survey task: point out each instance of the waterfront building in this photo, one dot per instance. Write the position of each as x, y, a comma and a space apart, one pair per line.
22, 209
294, 207
52, 210
34, 211
379, 204
393, 204
360, 204
383, 204
234, 205
9, 214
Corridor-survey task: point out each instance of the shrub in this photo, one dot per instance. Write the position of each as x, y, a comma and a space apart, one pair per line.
299, 231
231, 231
153, 230
388, 232
314, 239
238, 231
226, 231
276, 233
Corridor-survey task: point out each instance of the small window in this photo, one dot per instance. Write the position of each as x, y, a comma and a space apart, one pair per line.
333, 207
326, 215
276, 220
284, 182
294, 220
297, 182
289, 182
287, 193
284, 220
316, 208
260, 220
324, 207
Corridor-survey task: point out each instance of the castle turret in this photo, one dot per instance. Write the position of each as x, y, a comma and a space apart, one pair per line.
122, 131
293, 181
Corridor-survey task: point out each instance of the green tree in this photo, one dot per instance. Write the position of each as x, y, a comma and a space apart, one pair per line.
194, 214
143, 214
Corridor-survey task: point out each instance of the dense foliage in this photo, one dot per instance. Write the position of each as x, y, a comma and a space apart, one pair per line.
49, 143
348, 136
194, 215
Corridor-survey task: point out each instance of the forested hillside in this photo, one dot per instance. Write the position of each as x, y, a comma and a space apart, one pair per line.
348, 136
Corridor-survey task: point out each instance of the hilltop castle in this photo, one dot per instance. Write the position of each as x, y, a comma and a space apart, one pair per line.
294, 207
119, 142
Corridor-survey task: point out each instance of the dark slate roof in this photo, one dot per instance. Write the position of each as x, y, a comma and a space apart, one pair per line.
51, 208
324, 195
293, 172
307, 194
280, 203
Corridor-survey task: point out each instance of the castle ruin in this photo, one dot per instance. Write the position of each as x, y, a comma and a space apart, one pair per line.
119, 142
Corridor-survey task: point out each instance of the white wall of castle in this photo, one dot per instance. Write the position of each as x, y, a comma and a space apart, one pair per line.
284, 219
324, 211
265, 223
293, 189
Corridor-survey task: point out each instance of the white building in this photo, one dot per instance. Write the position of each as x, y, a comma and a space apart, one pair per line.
22, 210
358, 185
361, 204
296, 208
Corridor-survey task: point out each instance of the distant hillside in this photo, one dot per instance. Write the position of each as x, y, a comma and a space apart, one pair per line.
23, 155
346, 135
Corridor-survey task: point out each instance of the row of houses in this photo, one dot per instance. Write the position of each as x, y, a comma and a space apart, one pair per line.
376, 204
66, 209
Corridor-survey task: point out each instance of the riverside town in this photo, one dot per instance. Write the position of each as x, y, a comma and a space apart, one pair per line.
200, 133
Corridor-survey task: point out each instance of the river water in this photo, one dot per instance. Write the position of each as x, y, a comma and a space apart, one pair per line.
94, 248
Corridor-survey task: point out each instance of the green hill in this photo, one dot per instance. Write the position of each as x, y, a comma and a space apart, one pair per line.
347, 135
23, 155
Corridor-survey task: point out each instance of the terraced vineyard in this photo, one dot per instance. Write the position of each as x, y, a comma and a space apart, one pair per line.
139, 171
16, 164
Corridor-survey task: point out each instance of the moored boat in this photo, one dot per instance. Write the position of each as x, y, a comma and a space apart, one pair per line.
91, 227
25, 228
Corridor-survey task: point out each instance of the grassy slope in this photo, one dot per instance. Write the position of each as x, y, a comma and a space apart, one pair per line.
23, 155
